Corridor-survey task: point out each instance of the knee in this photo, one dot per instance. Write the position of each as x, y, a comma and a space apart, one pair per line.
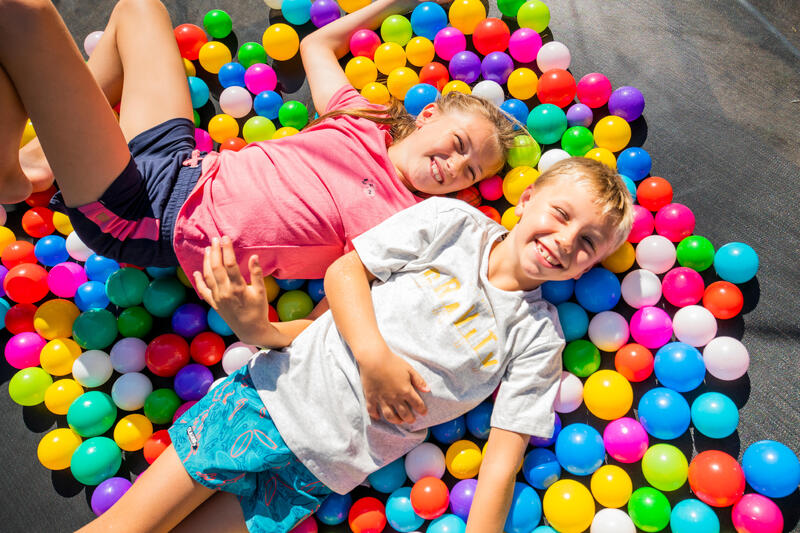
140, 8
17, 13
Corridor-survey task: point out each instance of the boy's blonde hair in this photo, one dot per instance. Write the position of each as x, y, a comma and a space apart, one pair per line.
611, 194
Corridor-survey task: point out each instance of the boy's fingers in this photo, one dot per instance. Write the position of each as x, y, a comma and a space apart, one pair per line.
404, 412
418, 382
256, 275
417, 404
202, 288
229, 260
208, 274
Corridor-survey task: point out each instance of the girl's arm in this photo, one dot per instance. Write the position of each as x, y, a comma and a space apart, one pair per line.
504, 453
322, 49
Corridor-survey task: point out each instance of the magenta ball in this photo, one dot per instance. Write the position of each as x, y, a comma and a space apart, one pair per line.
324, 12
594, 90
579, 115
448, 42
193, 381
675, 222
23, 349
202, 140
182, 409
260, 77
524, 45
643, 224
626, 102
364, 43
625, 440
755, 513
651, 327
465, 66
491, 188
682, 286
107, 493
65, 278
497, 66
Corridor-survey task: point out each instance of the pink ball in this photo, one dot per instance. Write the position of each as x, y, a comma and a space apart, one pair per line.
259, 78
202, 140
182, 409
682, 286
675, 222
491, 188
23, 349
755, 513
651, 327
594, 90
309, 525
524, 45
643, 224
364, 43
65, 278
448, 42
625, 440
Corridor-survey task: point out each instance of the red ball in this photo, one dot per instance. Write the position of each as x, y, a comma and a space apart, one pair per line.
430, 497
41, 198
557, 87
207, 348
470, 195
491, 35
157, 443
490, 212
38, 222
232, 143
723, 299
434, 73
190, 39
309, 525
367, 515
17, 253
166, 354
634, 361
653, 193
26, 283
19, 318
716, 478
272, 314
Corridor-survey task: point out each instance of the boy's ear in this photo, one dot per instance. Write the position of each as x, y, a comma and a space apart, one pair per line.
524, 198
428, 112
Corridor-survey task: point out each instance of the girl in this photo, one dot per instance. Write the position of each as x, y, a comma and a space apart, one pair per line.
137, 191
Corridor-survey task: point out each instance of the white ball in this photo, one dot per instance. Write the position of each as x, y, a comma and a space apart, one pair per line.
236, 356
655, 253
216, 382
274, 4
235, 101
608, 331
553, 55
726, 358
491, 90
90, 43
127, 355
130, 391
551, 157
570, 393
76, 249
641, 288
92, 368
427, 459
694, 325
612, 521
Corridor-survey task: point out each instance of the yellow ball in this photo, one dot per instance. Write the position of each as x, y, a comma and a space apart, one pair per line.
58, 355
604, 155
466, 14
516, 181
607, 394
56, 448
132, 431
389, 56
285, 131
509, 218
522, 83
611, 486
60, 395
27, 134
621, 260
62, 223
222, 127
568, 506
361, 71
6, 237
376, 93
188, 67
54, 318
281, 42
400, 80
463, 459
272, 288
456, 85
612, 132
182, 277
213, 55
353, 5
419, 51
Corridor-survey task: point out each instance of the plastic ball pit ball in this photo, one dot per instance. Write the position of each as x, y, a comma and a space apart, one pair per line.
396, 29
771, 468
714, 415
427, 19
160, 406
736, 262
649, 509
524, 45
93, 413
682, 286
26, 283
557, 87
95, 460
132, 431
570, 393
59, 396
541, 468
593, 90
190, 39
426, 460
532, 14
525, 511
166, 354
388, 478
23, 349
29, 386
281, 42
56, 448
693, 516
664, 413
611, 486
679, 366
546, 123
367, 515
95, 329
491, 35
429, 497
155, 445
579, 449
107, 493
92, 368
399, 512
626, 102
581, 358
643, 224
726, 358
635, 362
675, 222
607, 394
756, 514
716, 478
130, 391
568, 506
665, 467
448, 42
625, 440
236, 355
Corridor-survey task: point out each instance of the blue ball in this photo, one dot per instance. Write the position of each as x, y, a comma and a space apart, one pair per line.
630, 185
232, 75
198, 91
418, 96
517, 110
479, 420
580, 449
217, 324
664, 413
389, 478
447, 523
51, 250
771, 468
525, 511
736, 262
556, 292
399, 512
334, 509
634, 163
714, 415
693, 516
91, 295
289, 284
450, 431
4, 307
427, 19
160, 272
316, 289
574, 320
189, 320
544, 441
541, 468
297, 12
267, 104
99, 268
679, 366
598, 290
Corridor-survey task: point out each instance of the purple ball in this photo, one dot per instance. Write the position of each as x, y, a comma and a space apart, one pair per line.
542, 441
461, 497
497, 66
465, 66
324, 12
107, 493
3, 272
579, 115
189, 320
626, 102
192, 382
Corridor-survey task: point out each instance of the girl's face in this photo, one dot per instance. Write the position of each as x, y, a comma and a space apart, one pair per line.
447, 152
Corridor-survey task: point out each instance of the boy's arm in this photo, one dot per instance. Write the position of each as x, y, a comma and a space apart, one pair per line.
504, 453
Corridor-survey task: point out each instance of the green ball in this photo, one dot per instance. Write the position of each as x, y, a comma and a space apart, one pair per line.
95, 329
92, 413
293, 305
649, 509
163, 296
509, 8
27, 387
217, 23
251, 53
581, 358
396, 29
665, 467
547, 123
294, 114
577, 140
695, 252
533, 14
95, 460
126, 286
160, 406
134, 322
258, 128
196, 118
526, 152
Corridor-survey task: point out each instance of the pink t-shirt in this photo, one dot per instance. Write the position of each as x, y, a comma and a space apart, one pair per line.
297, 202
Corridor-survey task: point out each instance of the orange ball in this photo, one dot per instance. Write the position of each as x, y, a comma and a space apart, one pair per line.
38, 222
716, 478
723, 299
490, 212
429, 497
157, 443
17, 253
653, 193
367, 515
634, 361
232, 143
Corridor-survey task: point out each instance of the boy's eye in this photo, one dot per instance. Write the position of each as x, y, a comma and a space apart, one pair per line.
473, 174
589, 242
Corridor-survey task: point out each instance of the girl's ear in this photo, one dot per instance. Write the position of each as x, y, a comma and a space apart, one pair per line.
428, 112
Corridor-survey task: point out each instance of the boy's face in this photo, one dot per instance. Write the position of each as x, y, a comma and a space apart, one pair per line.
561, 233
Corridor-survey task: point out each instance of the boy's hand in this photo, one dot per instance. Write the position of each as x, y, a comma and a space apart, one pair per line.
390, 388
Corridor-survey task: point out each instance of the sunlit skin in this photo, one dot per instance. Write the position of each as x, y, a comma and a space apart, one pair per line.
447, 152
561, 234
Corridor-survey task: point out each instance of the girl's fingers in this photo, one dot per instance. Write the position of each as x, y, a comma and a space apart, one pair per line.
208, 273
229, 261
218, 270
202, 289
256, 275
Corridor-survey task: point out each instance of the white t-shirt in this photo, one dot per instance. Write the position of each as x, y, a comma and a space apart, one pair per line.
435, 308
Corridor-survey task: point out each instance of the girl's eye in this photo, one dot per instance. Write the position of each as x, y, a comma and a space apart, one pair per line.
460, 145
589, 242
562, 213
474, 175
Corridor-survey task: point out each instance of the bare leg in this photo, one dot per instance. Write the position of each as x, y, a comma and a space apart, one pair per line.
14, 186
221, 513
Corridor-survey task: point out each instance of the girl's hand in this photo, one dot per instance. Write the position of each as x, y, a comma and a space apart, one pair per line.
390, 388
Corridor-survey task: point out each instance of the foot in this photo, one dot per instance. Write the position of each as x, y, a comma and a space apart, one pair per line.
14, 187
35, 166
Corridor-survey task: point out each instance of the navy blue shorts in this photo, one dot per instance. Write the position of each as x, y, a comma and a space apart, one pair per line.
133, 221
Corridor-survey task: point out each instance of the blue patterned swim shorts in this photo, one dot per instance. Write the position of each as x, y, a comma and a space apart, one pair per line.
227, 441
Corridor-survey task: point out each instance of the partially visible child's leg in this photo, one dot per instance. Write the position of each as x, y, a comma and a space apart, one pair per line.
14, 186
221, 513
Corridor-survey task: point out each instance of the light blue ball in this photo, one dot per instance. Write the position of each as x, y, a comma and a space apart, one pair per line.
427, 19
232, 75
558, 291
217, 324
771, 468
736, 262
91, 295
517, 109
268, 104
574, 320
418, 96
693, 516
334, 509
399, 512
198, 90
598, 290
679, 366
160, 272
4, 307
541, 468
525, 511
544, 529
664, 413
447, 523
630, 185
389, 478
580, 449
714, 415
450, 431
296, 12
634, 162
479, 420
